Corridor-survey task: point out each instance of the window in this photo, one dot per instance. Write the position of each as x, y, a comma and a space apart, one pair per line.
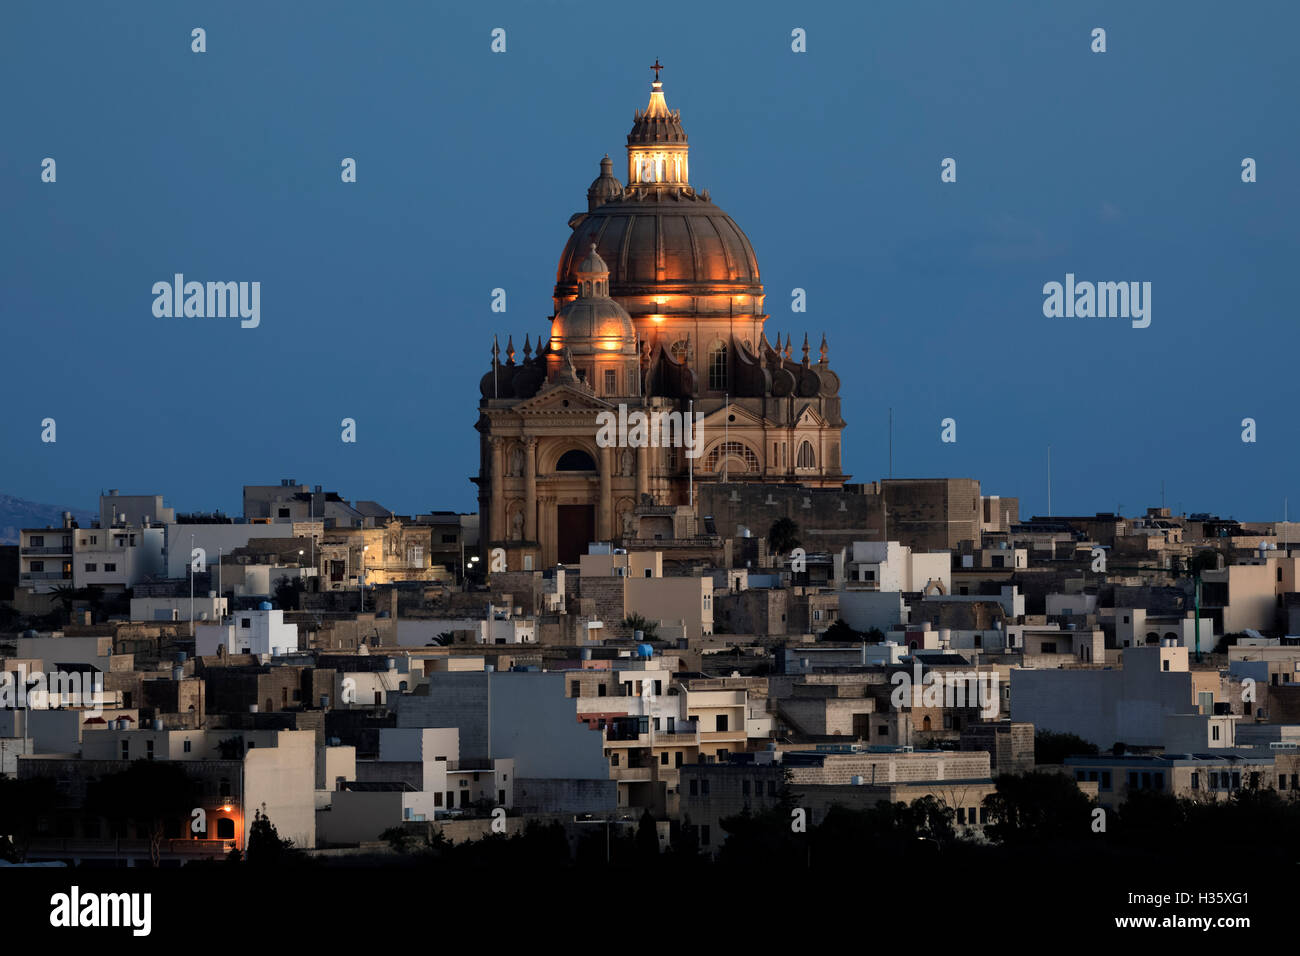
126, 750
38, 566
38, 541
806, 457
110, 567
91, 567
225, 829
611, 381
245, 622
1214, 732
961, 814
718, 366
1196, 780
575, 460
613, 760
188, 745
731, 449
148, 749
721, 724
437, 798
663, 759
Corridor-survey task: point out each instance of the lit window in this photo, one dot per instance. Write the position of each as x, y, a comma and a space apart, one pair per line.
718, 366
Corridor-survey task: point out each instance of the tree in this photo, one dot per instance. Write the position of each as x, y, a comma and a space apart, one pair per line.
635, 622
22, 802
647, 837
783, 536
65, 594
265, 847
1037, 807
841, 633
288, 593
1053, 748
157, 796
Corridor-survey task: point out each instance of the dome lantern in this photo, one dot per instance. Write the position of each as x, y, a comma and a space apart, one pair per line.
656, 147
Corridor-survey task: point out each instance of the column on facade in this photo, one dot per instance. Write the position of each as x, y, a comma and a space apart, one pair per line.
605, 508
642, 472
530, 489
498, 518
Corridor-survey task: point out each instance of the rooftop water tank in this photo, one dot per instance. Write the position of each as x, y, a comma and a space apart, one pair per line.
645, 650
264, 606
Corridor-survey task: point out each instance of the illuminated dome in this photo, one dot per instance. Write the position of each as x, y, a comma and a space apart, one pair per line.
669, 249
593, 322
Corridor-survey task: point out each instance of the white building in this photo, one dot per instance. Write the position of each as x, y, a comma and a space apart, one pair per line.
890, 566
249, 632
120, 556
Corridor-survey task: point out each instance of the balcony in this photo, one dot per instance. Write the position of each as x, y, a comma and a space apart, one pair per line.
66, 549
45, 576
631, 774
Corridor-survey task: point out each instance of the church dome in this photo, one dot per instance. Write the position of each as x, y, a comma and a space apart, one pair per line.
654, 243
593, 322
669, 249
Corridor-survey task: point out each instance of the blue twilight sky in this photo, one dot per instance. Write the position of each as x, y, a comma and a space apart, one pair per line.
376, 296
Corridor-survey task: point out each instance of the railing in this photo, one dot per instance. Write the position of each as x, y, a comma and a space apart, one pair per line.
45, 576
66, 549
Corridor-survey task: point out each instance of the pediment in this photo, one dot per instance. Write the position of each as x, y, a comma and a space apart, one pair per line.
562, 398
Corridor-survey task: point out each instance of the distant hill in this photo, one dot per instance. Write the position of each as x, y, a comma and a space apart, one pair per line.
17, 513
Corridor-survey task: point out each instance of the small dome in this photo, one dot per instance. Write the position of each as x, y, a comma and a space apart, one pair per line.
593, 322
592, 267
605, 186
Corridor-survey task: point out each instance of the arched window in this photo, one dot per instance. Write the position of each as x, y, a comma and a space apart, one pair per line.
575, 460
806, 459
734, 450
679, 350
225, 828
718, 366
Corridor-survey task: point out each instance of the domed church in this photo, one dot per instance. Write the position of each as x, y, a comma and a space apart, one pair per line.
658, 309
